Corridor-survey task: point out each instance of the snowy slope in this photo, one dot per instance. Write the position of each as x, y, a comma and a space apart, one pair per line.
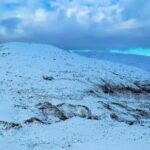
51, 99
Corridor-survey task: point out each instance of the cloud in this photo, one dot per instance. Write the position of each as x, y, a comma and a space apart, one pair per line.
73, 24
10, 23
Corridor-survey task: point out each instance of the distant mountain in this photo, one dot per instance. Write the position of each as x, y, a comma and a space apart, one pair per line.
51, 99
139, 61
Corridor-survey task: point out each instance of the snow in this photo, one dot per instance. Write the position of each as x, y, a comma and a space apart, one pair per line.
77, 81
78, 134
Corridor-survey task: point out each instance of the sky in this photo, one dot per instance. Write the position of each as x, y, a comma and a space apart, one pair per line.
77, 24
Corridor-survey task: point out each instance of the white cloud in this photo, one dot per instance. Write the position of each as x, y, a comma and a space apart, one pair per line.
71, 11
129, 24
86, 17
40, 15
84, 12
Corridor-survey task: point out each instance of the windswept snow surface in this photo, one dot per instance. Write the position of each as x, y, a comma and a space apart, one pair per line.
53, 100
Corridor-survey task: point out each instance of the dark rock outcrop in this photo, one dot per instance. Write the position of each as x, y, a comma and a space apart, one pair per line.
71, 110
4, 125
50, 112
33, 120
48, 78
124, 113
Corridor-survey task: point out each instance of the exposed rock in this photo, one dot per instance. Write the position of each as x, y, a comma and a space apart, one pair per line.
117, 89
93, 93
125, 113
114, 116
107, 106
49, 78
50, 112
142, 113
33, 120
4, 125
139, 88
145, 86
119, 119
44, 105
122, 106
95, 117
71, 110
106, 88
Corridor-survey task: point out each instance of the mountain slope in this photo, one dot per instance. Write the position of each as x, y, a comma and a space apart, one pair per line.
138, 61
51, 99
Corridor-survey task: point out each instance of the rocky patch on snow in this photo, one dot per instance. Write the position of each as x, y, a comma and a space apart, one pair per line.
122, 112
48, 78
3, 52
50, 112
62, 112
4, 125
33, 120
136, 88
71, 110
46, 113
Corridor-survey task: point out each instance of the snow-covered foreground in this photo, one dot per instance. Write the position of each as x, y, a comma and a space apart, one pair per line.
53, 100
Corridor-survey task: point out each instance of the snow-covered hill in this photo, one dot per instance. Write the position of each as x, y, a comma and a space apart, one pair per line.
52, 99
